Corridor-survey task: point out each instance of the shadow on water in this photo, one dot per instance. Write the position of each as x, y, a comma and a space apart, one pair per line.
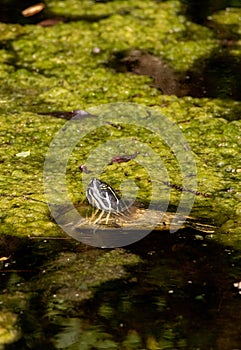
11, 11
215, 76
198, 11
180, 294
219, 76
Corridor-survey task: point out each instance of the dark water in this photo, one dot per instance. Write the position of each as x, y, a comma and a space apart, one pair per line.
180, 296
11, 11
198, 11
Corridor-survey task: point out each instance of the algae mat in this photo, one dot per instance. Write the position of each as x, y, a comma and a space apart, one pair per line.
168, 290
50, 71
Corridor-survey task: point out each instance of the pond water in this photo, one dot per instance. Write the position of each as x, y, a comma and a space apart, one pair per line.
169, 292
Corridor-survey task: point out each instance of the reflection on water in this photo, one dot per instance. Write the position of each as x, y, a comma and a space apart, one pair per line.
164, 292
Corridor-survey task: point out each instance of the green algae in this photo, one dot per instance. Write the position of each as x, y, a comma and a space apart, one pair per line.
9, 331
65, 67
58, 66
23, 200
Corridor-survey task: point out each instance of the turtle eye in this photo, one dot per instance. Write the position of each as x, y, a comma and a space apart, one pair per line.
103, 186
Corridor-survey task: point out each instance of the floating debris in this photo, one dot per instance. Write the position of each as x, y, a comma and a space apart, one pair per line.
23, 154
4, 258
185, 189
49, 22
83, 169
123, 158
33, 10
79, 114
238, 286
